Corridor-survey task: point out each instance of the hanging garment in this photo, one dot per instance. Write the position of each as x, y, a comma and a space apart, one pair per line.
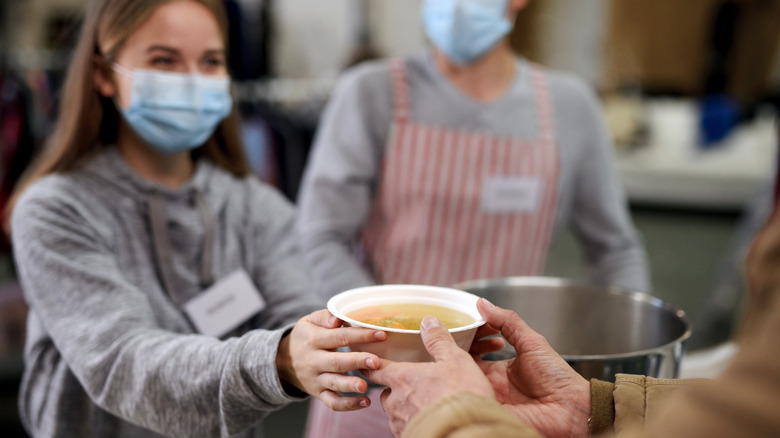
16, 141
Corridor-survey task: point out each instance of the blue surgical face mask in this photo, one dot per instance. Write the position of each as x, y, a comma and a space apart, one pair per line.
465, 30
175, 112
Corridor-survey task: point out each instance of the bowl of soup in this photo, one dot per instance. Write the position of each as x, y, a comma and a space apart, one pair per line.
399, 309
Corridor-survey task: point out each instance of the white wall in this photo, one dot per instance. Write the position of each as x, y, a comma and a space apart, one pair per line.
313, 38
396, 26
317, 38
572, 35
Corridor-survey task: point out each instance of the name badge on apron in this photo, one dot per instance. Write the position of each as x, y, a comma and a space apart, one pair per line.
511, 194
225, 305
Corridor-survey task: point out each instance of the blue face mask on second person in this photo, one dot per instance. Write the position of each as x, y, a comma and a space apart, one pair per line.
465, 29
175, 112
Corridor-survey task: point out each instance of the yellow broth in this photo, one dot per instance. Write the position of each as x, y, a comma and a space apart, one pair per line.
408, 316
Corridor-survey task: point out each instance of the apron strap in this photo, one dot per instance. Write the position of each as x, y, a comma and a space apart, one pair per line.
401, 103
543, 103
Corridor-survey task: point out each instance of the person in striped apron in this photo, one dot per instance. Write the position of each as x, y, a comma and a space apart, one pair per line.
458, 163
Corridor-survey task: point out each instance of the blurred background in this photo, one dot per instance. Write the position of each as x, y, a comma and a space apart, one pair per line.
690, 93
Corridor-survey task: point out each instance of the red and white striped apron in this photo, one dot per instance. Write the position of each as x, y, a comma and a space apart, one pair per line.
428, 223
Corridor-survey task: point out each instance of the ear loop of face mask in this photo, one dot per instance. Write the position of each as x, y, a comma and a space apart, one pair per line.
122, 70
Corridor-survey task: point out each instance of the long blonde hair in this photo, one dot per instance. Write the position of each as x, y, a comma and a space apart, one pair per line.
88, 121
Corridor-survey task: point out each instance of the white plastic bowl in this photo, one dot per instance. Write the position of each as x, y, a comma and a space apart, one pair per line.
406, 345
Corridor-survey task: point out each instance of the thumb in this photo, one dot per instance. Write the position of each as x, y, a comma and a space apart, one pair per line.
512, 327
437, 339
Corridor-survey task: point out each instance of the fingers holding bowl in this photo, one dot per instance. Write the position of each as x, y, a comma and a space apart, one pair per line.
337, 402
398, 309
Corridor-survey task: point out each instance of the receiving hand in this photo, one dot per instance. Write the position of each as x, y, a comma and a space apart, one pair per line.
307, 359
412, 386
537, 386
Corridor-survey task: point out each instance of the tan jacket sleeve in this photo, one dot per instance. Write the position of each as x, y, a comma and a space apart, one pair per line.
631, 402
467, 415
743, 401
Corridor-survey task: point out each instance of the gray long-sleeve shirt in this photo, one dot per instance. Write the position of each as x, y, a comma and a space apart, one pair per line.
108, 352
343, 171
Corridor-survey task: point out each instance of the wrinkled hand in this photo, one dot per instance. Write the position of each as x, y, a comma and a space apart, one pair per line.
537, 386
412, 386
307, 359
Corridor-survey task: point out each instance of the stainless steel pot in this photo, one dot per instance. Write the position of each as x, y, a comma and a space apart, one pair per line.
599, 331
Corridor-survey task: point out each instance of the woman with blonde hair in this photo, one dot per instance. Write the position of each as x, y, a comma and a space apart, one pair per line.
165, 290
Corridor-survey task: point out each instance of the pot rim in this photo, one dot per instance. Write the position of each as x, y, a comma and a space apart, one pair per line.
613, 290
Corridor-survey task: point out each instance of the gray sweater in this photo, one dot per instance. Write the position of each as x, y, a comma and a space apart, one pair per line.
109, 353
343, 172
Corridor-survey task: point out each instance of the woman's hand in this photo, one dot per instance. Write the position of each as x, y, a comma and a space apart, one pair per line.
307, 359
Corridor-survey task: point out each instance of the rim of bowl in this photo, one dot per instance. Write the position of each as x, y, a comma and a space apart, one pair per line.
331, 307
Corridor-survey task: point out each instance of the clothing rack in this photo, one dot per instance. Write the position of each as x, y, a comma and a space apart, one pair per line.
298, 95
40, 59
280, 117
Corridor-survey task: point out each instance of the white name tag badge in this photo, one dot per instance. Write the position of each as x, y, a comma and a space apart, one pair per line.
225, 305
511, 194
